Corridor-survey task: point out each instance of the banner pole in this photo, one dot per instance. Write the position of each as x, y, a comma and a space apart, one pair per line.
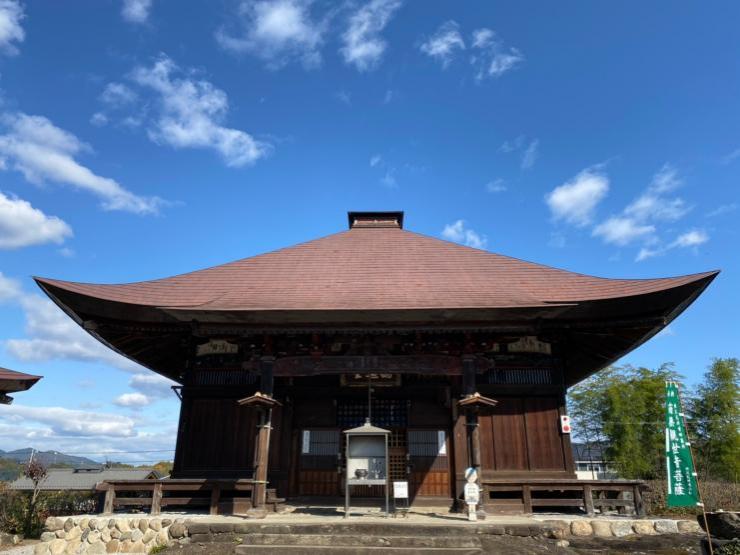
693, 463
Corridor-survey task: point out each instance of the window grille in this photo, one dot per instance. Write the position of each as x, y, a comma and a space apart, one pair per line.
521, 376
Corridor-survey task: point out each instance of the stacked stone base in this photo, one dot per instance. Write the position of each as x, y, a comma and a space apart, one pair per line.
98, 535
127, 534
604, 528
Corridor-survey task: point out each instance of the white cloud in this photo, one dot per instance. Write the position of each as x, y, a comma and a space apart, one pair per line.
444, 43
52, 334
11, 15
136, 11
375, 160
665, 180
492, 59
655, 207
622, 231
363, 46
190, 113
118, 94
132, 400
496, 186
389, 179
529, 156
575, 201
458, 233
43, 152
722, 209
69, 422
10, 289
653, 204
277, 31
151, 446
528, 151
99, 119
639, 220
344, 97
483, 38
513, 145
22, 225
152, 385
692, 238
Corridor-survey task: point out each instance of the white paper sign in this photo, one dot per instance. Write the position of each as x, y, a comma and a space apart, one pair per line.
401, 490
472, 494
441, 442
306, 447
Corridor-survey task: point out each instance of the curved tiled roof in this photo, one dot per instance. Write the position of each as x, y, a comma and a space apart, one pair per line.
373, 268
12, 381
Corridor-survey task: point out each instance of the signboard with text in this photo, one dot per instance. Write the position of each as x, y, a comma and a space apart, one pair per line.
683, 490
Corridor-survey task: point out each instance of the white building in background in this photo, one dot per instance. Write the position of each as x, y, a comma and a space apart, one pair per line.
591, 462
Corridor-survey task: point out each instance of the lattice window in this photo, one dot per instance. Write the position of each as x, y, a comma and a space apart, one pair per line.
427, 443
397, 438
397, 467
218, 377
521, 376
387, 413
320, 442
319, 449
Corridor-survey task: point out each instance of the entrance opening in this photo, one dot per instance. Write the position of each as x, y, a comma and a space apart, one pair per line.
417, 455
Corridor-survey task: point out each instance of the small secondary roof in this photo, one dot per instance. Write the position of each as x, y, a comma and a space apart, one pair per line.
12, 381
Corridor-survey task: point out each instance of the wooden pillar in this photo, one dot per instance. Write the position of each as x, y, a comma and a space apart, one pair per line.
262, 447
460, 450
527, 498
637, 500
157, 499
588, 500
471, 414
215, 498
110, 498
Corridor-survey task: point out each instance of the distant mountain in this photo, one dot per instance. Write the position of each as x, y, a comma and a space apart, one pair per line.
47, 458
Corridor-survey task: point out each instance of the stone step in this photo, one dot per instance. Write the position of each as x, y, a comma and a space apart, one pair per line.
358, 550
379, 529
313, 540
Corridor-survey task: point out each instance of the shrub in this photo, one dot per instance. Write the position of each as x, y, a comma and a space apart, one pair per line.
716, 495
16, 519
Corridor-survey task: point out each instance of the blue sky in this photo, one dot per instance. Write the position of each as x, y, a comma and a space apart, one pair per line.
142, 139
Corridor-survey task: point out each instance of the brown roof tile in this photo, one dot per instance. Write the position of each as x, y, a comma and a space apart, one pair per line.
373, 268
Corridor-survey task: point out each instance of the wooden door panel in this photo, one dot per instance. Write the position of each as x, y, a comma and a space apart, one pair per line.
544, 445
509, 435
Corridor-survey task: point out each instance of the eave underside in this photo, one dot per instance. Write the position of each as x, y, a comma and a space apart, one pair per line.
590, 334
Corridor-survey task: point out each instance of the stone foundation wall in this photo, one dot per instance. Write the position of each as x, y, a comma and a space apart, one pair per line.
606, 528
91, 534
139, 534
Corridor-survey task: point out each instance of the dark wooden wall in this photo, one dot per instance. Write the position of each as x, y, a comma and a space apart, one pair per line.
522, 435
520, 438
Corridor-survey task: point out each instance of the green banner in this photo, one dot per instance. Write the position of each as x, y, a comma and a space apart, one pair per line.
681, 477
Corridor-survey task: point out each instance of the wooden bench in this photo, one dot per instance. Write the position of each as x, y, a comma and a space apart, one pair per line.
156, 494
524, 495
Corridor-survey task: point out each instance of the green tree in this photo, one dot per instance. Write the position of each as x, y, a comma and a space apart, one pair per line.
623, 408
634, 408
715, 420
585, 407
